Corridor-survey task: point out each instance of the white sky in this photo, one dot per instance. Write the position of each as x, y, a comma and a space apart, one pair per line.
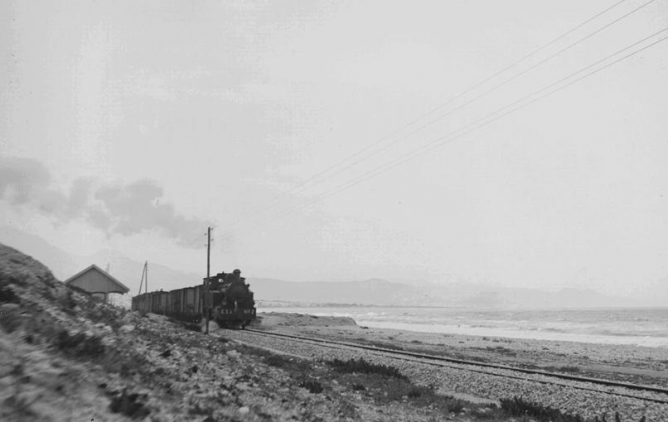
228, 108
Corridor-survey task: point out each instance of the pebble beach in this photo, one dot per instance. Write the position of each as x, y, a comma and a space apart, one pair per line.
617, 358
625, 363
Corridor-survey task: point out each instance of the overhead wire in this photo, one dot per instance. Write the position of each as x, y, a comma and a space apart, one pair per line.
320, 176
482, 124
240, 221
477, 85
488, 119
501, 84
490, 90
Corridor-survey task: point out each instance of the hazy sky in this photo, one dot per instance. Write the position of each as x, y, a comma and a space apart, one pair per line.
135, 124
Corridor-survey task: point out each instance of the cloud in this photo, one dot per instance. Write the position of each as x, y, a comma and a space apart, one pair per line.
118, 208
137, 207
21, 179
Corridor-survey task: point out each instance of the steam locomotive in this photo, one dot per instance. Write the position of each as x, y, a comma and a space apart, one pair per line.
230, 301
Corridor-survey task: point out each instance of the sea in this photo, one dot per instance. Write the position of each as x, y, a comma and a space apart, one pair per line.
633, 326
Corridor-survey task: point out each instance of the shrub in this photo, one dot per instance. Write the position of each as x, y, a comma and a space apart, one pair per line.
67, 302
314, 387
128, 406
519, 407
364, 367
7, 295
416, 392
10, 321
79, 344
455, 406
276, 360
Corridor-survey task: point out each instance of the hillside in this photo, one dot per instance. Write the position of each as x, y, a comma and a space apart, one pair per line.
65, 356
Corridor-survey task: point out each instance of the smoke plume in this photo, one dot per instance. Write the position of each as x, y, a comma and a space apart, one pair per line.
122, 209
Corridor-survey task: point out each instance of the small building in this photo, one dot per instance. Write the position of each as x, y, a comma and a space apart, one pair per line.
97, 282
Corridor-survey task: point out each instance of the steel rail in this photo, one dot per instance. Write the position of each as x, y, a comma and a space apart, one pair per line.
440, 359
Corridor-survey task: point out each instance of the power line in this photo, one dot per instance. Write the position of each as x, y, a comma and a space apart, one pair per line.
481, 122
455, 134
497, 86
489, 118
477, 85
320, 176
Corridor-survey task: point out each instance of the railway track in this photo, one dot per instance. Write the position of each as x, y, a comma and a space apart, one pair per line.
504, 371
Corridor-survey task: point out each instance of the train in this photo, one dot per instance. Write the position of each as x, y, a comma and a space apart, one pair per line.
230, 302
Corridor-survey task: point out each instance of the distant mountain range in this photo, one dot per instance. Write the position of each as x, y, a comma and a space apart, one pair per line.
384, 293
273, 292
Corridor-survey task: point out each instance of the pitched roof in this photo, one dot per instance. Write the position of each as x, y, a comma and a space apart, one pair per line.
101, 271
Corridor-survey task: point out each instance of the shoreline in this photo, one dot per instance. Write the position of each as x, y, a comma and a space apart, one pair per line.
462, 328
624, 362
630, 340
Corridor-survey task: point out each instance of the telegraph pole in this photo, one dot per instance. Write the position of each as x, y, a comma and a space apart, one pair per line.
144, 276
207, 291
